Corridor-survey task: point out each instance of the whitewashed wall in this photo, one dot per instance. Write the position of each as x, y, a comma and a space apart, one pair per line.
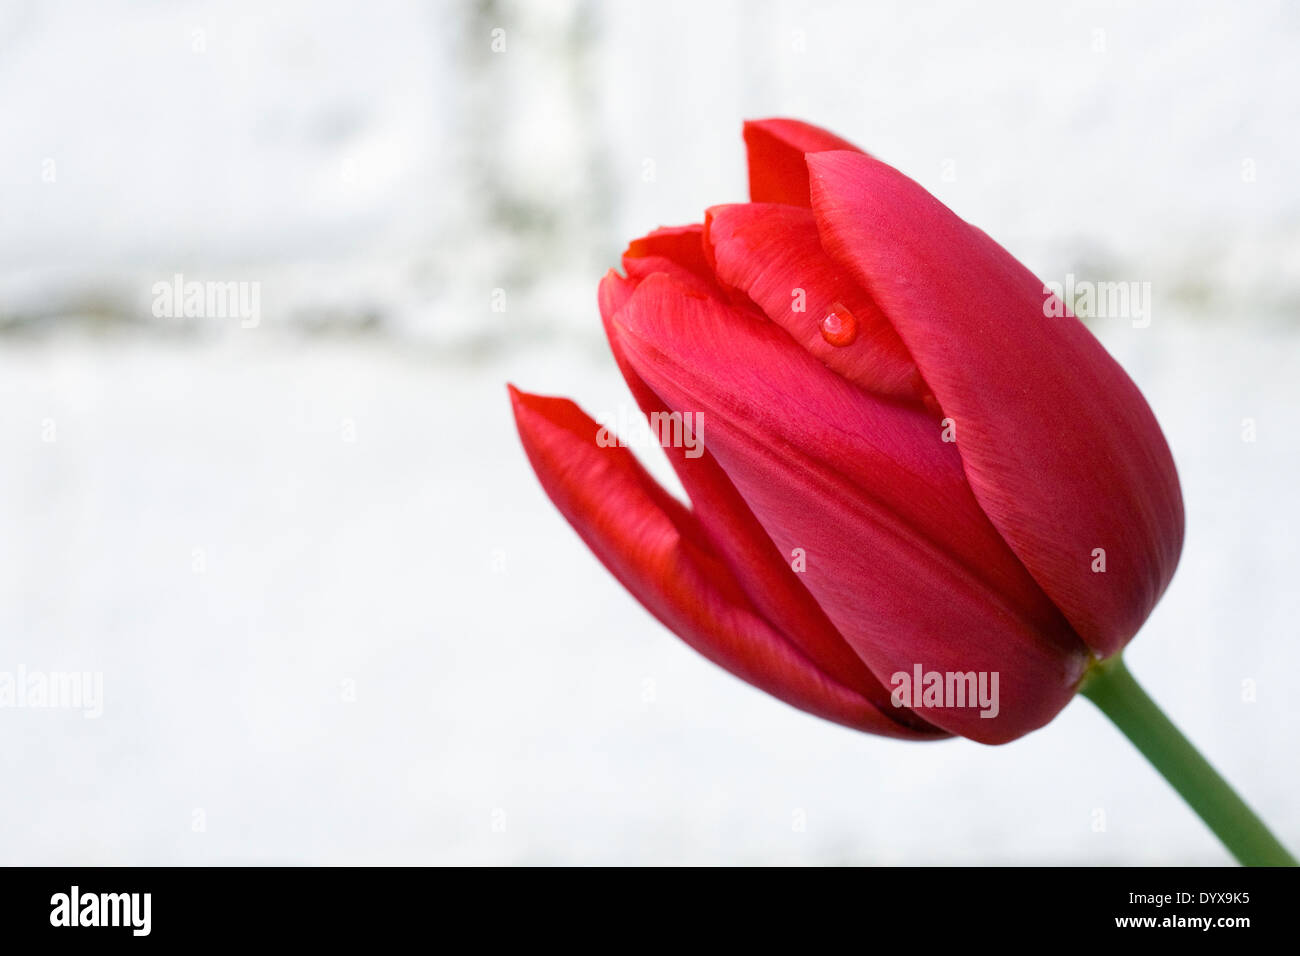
336, 619
382, 159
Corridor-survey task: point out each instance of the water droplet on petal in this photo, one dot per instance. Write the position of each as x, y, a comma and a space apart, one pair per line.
840, 327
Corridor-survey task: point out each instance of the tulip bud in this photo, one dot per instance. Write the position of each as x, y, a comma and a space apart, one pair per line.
893, 396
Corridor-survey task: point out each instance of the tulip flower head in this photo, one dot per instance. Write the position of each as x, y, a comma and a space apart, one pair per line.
923, 497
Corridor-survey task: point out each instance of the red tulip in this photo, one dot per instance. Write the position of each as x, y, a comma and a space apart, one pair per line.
975, 485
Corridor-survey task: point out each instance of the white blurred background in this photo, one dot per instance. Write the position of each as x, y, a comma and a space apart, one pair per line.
336, 618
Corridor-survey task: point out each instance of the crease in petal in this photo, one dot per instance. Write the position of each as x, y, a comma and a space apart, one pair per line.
655, 548
1058, 444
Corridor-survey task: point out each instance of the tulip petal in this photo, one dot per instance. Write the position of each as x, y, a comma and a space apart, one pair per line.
776, 148
899, 554
683, 245
773, 253
768, 581
654, 546
679, 252
1058, 444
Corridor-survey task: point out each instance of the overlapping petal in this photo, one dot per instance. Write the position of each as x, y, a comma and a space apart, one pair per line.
760, 570
776, 149
773, 253
899, 554
1059, 446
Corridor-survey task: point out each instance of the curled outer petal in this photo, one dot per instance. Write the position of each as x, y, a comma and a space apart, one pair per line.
656, 549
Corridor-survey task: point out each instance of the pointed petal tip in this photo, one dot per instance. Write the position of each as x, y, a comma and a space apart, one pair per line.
521, 399
518, 397
539, 415
777, 149
795, 132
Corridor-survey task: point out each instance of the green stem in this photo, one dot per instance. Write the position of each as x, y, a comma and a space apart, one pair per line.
1112, 688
